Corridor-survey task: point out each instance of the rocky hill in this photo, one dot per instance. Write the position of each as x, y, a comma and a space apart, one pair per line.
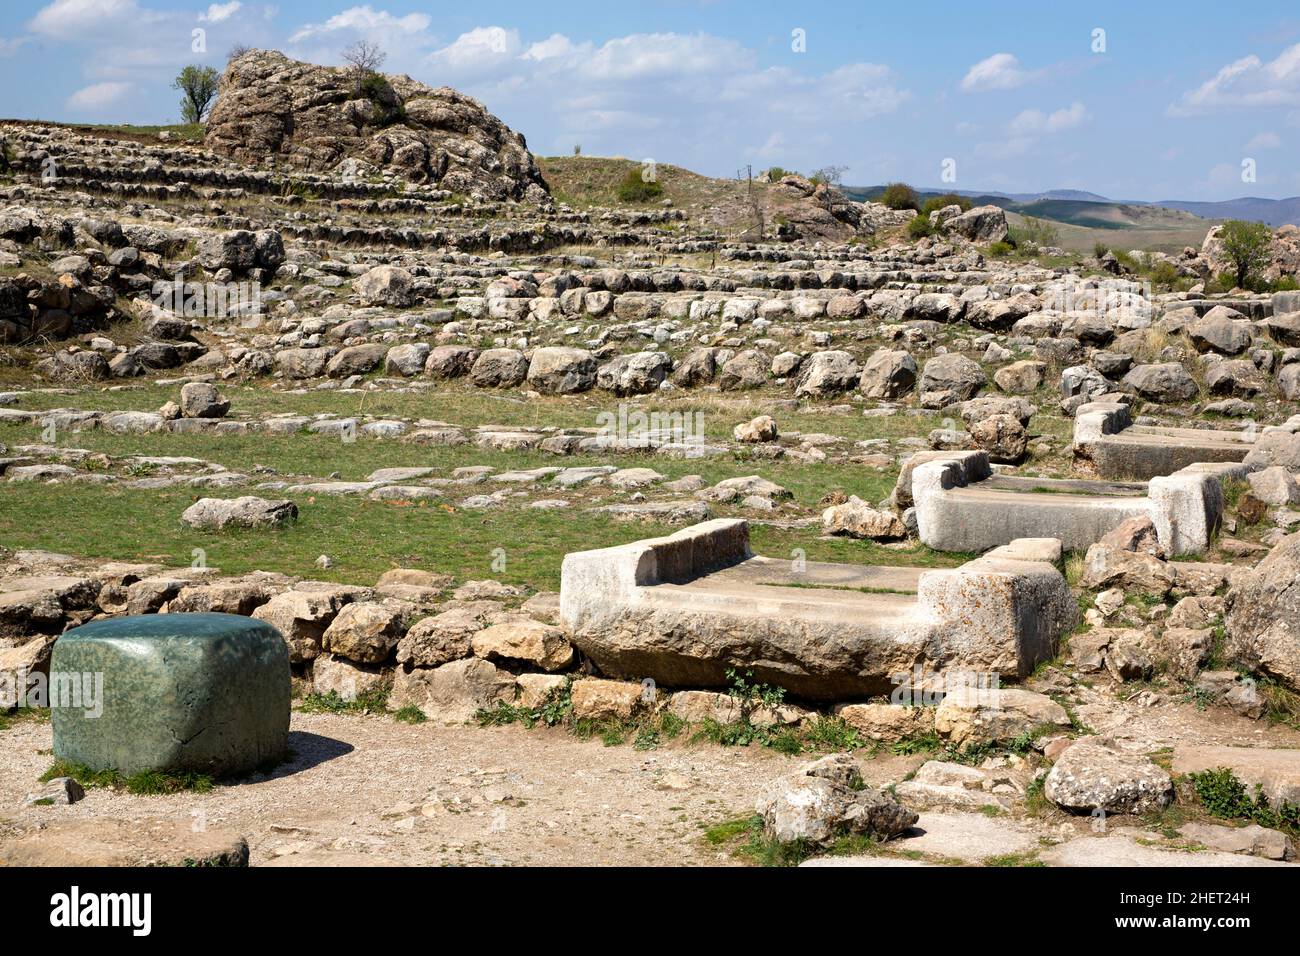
317, 117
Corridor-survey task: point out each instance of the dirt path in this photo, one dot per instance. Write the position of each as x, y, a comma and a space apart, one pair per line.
369, 789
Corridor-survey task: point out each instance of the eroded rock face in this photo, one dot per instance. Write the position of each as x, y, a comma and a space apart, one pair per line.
1264, 615
316, 117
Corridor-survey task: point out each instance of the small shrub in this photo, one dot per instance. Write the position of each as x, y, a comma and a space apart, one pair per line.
1226, 797
921, 227
410, 714
1000, 250
1165, 275
935, 203
900, 196
634, 187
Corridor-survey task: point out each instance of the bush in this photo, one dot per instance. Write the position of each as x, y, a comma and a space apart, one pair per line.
935, 203
1099, 250
921, 226
776, 174
1000, 250
635, 188
1165, 275
900, 196
388, 108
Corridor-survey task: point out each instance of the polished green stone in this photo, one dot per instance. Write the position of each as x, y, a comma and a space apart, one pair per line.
207, 693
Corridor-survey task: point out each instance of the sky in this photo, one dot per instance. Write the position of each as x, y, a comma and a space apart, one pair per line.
1188, 101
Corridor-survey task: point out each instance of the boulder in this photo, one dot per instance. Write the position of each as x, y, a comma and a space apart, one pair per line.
454, 692
450, 361
981, 224
559, 370
827, 373
202, 400
356, 360
637, 374
970, 716
888, 374
949, 379
301, 617
249, 511
1002, 436
1093, 774
745, 370
1165, 382
520, 638
439, 639
499, 368
364, 631
760, 429
857, 519
1021, 378
385, 285
598, 699
827, 799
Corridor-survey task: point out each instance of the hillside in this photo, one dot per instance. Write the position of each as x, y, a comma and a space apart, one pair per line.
727, 205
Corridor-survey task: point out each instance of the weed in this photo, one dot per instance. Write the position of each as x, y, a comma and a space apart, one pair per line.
144, 783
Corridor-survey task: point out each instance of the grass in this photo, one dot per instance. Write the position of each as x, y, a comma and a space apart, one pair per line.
374, 701
649, 730
145, 783
746, 838
366, 538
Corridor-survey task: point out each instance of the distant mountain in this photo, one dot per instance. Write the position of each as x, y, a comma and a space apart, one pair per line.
1076, 195
1275, 212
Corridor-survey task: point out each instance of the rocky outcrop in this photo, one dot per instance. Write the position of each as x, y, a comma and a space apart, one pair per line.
316, 117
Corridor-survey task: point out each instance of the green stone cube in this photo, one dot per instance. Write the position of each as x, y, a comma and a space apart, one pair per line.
205, 693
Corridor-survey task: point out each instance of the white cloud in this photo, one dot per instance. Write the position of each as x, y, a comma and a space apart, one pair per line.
71, 19
1031, 122
10, 47
366, 21
219, 12
98, 96
1246, 83
1264, 140
484, 49
672, 95
1001, 71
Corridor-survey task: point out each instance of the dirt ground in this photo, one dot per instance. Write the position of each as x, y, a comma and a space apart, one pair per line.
371, 790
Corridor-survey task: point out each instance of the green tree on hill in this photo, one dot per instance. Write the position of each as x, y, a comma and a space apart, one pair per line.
1246, 244
198, 88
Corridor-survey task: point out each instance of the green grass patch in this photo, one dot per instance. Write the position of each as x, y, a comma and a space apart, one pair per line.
145, 783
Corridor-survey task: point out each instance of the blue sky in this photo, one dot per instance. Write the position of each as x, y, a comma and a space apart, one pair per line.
1017, 96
